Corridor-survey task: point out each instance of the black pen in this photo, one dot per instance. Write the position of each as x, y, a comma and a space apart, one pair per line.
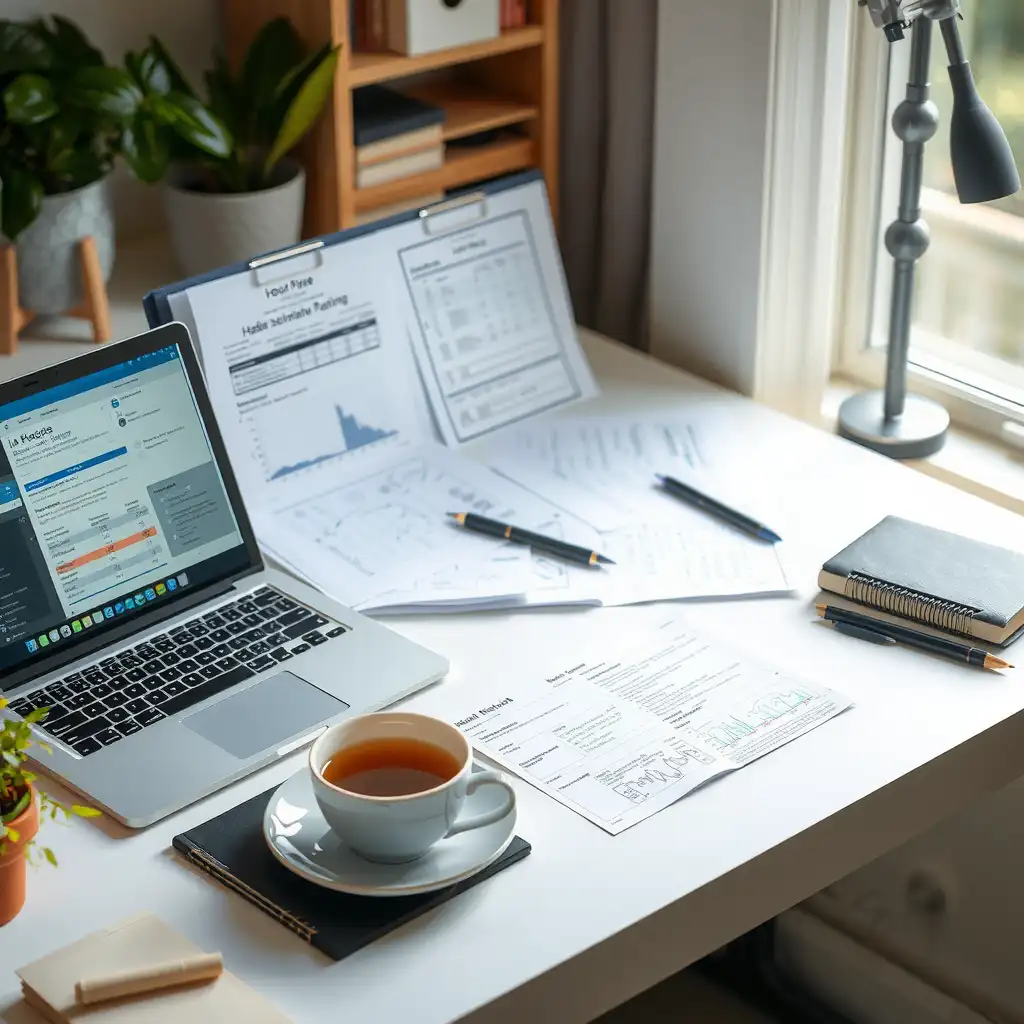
866, 628
728, 515
550, 546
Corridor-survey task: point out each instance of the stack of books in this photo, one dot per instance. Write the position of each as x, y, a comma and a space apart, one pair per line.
395, 136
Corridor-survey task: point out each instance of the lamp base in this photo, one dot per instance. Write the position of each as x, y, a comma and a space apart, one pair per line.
919, 432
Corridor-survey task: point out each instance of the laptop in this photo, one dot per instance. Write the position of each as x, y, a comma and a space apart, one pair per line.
134, 602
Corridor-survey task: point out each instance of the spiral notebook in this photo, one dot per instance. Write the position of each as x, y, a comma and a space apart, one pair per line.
232, 849
903, 571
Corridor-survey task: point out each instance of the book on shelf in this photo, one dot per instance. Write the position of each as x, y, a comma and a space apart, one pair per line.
380, 113
400, 167
400, 145
513, 13
370, 27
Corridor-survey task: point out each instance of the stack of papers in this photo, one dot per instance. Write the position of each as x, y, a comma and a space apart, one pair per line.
347, 380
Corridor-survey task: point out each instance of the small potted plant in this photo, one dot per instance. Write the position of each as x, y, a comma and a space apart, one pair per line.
21, 806
65, 117
224, 209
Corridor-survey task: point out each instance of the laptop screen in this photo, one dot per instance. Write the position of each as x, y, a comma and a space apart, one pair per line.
111, 503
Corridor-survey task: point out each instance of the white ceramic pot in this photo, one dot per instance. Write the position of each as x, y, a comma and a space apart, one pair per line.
49, 273
211, 230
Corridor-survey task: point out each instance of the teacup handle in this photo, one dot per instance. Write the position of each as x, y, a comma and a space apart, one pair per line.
478, 779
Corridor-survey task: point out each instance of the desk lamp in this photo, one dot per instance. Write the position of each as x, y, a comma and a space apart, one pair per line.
891, 421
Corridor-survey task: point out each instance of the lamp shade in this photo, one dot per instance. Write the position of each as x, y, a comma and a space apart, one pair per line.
983, 164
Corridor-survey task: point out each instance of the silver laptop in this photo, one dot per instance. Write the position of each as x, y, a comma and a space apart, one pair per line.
134, 602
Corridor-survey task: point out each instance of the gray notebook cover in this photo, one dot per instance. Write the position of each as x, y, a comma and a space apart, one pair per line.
946, 566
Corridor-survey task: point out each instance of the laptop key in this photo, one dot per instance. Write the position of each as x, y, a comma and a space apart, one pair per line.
246, 607
171, 658
65, 724
205, 658
188, 665
102, 690
134, 690
219, 635
172, 689
229, 614
146, 652
264, 661
286, 604
77, 685
152, 667
163, 644
202, 643
79, 700
58, 692
281, 654
86, 746
209, 689
80, 732
128, 727
237, 626
304, 625
73, 677
260, 647
293, 616
337, 631
187, 650
108, 736
238, 643
211, 671
95, 675
57, 711
93, 709
263, 597
120, 683
107, 662
156, 696
136, 675
115, 699
301, 648
118, 715
193, 679
315, 638
137, 706
221, 651
130, 661
150, 716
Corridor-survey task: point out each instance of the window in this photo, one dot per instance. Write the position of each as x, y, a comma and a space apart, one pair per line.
968, 342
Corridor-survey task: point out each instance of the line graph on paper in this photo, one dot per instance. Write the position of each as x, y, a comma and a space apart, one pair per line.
764, 711
328, 431
659, 771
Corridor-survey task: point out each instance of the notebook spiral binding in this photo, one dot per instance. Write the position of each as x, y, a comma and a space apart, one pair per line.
222, 874
910, 604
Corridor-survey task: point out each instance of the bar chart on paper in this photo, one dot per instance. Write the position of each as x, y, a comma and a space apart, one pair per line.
327, 432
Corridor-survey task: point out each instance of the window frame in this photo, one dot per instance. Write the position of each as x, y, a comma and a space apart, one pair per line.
958, 381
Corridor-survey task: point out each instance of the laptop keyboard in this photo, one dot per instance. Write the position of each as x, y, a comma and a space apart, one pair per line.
167, 673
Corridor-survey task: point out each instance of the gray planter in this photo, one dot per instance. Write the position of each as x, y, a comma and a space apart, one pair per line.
49, 274
210, 230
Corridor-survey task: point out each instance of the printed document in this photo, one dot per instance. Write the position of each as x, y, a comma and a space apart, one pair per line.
620, 736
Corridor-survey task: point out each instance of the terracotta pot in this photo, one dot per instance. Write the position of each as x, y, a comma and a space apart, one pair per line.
12, 861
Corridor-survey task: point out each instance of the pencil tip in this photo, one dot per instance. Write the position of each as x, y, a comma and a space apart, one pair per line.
605, 560
452, 515
820, 608
770, 535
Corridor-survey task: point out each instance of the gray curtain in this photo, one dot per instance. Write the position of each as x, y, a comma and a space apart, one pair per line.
608, 53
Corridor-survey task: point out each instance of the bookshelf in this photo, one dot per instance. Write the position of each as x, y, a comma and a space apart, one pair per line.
507, 85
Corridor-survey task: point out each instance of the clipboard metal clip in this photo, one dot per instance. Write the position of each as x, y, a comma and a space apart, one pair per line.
286, 254
434, 220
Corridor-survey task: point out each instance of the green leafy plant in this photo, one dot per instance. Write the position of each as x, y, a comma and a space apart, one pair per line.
15, 791
267, 108
65, 116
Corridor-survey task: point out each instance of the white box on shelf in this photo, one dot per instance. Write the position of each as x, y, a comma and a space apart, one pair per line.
422, 26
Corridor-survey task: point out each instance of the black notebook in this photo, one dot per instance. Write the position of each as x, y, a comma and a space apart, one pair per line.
904, 571
380, 113
232, 849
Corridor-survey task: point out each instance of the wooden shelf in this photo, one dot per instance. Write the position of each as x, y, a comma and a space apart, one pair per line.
467, 114
366, 68
462, 165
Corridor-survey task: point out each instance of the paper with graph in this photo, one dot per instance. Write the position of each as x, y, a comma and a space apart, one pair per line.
624, 733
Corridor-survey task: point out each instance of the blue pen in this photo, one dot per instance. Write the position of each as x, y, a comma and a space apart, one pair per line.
684, 492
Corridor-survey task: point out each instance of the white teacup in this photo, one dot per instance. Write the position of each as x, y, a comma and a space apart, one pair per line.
395, 829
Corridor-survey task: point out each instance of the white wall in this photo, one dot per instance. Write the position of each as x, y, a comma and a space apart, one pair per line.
188, 28
714, 68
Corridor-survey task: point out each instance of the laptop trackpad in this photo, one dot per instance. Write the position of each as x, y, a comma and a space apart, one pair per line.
265, 715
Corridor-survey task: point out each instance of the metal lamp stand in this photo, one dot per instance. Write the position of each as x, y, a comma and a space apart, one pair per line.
891, 421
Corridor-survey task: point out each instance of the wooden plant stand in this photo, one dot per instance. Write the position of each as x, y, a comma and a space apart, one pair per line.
94, 307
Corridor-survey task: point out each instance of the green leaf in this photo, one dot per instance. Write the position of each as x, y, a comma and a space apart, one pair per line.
29, 99
151, 72
304, 109
49, 855
275, 50
69, 44
145, 148
21, 199
23, 48
224, 100
45, 747
196, 125
110, 91
11, 833
85, 812
37, 715
178, 81
288, 88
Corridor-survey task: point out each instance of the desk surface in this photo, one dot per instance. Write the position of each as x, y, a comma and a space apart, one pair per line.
589, 919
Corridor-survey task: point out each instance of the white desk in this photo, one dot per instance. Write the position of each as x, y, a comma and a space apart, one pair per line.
589, 920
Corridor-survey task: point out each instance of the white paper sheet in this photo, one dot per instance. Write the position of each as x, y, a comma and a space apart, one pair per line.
309, 368
384, 538
489, 316
595, 468
626, 732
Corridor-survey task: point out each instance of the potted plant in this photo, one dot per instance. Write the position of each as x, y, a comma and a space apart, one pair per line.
21, 806
226, 208
65, 116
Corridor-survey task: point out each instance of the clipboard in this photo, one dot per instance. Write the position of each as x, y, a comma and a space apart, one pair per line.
453, 212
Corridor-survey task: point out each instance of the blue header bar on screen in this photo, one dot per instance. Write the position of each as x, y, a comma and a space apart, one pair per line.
89, 382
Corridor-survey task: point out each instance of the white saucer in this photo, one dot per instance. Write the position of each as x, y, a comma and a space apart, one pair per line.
299, 838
